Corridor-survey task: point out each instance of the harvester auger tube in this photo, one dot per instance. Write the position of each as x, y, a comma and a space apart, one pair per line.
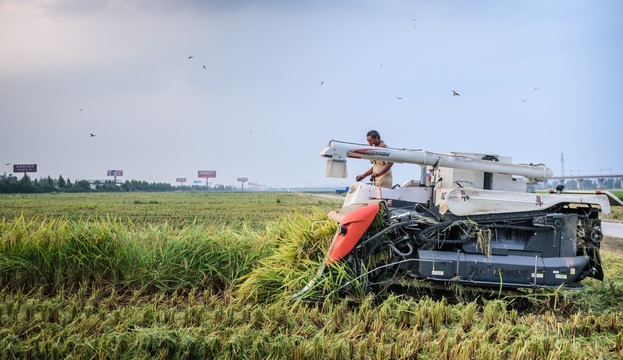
474, 219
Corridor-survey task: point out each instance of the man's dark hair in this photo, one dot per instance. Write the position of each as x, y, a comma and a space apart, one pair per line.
373, 134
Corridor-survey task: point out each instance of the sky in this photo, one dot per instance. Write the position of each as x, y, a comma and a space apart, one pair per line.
257, 89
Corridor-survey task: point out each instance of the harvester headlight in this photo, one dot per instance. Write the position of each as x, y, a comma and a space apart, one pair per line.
596, 236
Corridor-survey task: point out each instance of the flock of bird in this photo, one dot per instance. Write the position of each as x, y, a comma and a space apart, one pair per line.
454, 93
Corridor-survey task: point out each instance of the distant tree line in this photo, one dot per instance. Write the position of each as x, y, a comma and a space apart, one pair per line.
13, 185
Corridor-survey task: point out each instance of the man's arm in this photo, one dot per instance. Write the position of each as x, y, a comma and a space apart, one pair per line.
364, 175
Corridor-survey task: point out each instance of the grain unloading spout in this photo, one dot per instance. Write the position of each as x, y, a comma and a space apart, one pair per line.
336, 161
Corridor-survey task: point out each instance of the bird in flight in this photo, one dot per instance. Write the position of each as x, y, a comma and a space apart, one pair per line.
321, 83
191, 56
454, 93
398, 97
204, 67
92, 135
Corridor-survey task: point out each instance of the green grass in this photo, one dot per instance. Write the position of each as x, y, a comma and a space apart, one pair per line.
110, 282
616, 213
617, 193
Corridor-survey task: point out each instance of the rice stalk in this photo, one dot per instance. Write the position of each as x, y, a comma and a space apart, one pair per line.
483, 242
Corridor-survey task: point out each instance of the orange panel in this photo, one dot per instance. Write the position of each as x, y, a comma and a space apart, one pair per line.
356, 224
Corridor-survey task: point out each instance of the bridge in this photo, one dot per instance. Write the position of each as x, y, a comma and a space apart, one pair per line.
578, 178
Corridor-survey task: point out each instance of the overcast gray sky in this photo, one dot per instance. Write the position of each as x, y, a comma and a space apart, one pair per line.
282, 78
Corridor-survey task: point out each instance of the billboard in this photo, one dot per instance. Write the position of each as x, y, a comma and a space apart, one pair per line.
243, 179
207, 173
180, 180
115, 172
25, 168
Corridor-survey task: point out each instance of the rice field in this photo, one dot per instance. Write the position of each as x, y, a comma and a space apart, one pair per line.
177, 210
212, 275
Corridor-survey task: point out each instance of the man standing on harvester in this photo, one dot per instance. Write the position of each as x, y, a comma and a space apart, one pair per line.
380, 172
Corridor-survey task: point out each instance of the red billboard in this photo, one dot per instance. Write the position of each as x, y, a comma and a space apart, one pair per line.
207, 173
115, 173
25, 168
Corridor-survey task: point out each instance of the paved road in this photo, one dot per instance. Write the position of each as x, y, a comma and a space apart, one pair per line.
328, 196
612, 228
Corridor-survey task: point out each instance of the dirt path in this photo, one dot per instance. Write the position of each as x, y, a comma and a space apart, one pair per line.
613, 236
614, 244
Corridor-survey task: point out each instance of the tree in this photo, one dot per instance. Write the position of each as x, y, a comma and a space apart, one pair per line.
47, 185
82, 185
24, 185
61, 182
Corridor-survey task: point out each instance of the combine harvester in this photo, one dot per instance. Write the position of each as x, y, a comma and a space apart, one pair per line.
471, 218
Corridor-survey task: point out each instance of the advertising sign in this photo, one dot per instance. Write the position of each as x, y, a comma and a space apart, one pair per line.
243, 179
180, 180
115, 172
207, 173
25, 168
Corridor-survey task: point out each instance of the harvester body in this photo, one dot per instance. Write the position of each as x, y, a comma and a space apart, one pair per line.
469, 218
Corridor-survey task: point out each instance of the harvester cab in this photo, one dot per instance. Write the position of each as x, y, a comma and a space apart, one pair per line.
470, 218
